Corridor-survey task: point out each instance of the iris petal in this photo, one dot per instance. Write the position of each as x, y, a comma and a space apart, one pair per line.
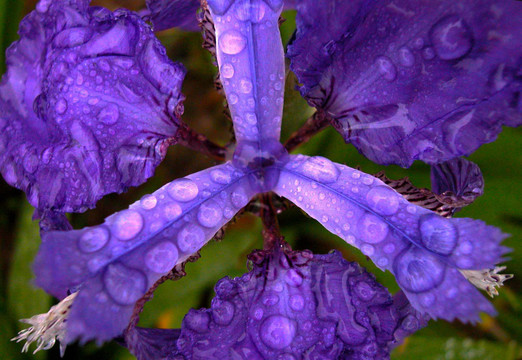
78, 77
412, 80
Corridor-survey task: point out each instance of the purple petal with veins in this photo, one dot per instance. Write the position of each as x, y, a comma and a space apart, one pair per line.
77, 78
412, 80
458, 182
115, 263
292, 303
422, 249
166, 14
251, 66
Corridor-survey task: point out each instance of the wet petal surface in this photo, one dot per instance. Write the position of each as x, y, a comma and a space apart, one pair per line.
251, 66
458, 182
422, 249
295, 303
77, 78
166, 14
115, 263
407, 80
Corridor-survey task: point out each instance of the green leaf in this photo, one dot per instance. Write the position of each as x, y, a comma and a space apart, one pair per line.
24, 299
435, 348
10, 15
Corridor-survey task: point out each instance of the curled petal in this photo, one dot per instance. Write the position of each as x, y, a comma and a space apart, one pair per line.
295, 303
422, 249
166, 14
90, 103
458, 182
412, 80
115, 263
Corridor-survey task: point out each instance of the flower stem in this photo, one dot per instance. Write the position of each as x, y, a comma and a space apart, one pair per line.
317, 122
199, 142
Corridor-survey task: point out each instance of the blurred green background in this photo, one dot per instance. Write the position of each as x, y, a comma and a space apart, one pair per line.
498, 338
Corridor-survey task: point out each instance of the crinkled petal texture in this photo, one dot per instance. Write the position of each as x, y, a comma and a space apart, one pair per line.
422, 249
166, 14
115, 263
412, 80
89, 105
295, 303
458, 182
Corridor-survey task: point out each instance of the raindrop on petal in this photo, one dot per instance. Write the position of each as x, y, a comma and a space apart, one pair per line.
232, 42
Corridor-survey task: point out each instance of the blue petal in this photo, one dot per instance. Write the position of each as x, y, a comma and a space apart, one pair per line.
115, 263
166, 14
422, 249
90, 103
251, 66
412, 80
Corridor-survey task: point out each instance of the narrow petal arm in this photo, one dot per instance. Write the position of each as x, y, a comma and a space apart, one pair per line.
422, 249
115, 263
251, 66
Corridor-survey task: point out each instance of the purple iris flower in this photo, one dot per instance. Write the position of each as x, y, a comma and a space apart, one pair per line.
90, 102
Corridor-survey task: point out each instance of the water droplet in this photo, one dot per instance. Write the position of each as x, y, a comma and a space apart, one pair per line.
210, 214
406, 57
367, 250
383, 200
428, 53
410, 323
466, 248
386, 68
321, 169
251, 118
389, 248
233, 99
109, 114
293, 278
277, 331
257, 313
372, 229
296, 302
221, 176
61, 106
93, 239
183, 190
417, 270
451, 38
162, 257
364, 290
245, 86
124, 285
438, 234
148, 202
239, 198
190, 238
222, 311
232, 42
197, 320
418, 43
172, 211
72, 37
127, 224
270, 300
227, 71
